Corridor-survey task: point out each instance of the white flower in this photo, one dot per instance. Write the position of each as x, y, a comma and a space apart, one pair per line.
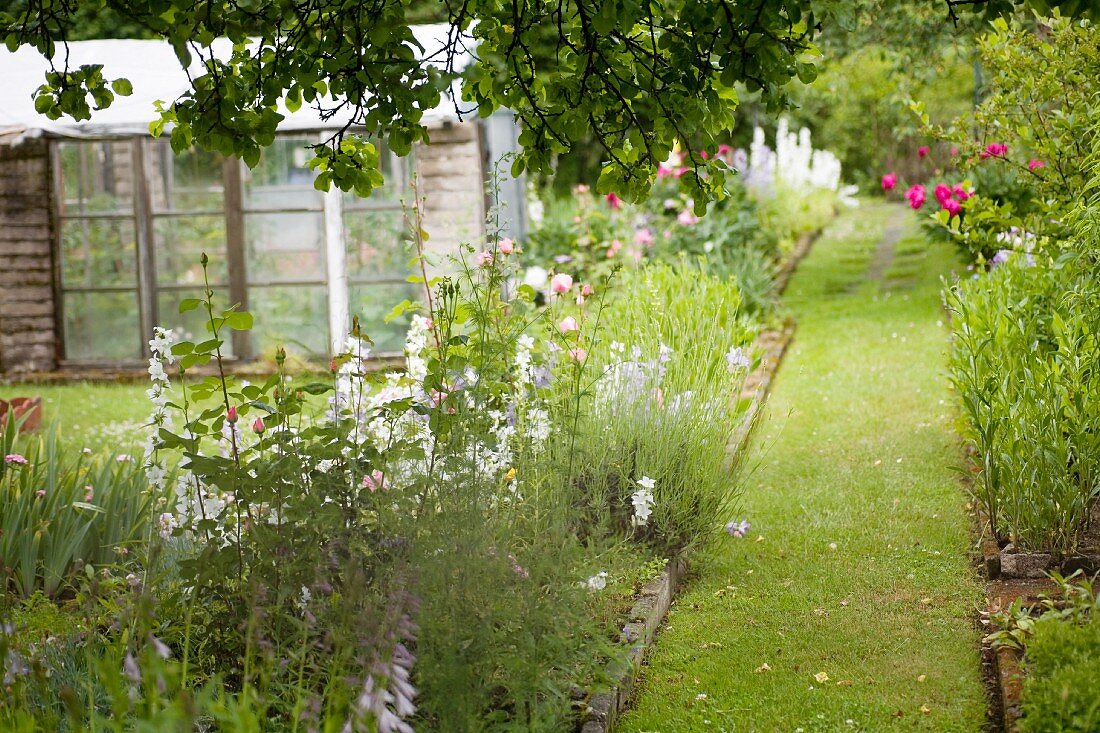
642, 499
737, 359
325, 465
597, 581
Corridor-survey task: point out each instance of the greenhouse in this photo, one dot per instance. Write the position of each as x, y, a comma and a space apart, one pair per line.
106, 224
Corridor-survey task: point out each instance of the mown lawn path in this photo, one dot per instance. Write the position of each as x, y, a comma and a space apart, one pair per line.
850, 606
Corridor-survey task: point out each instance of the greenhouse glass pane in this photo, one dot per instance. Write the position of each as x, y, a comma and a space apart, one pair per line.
372, 303
180, 242
377, 244
96, 177
102, 327
98, 253
283, 247
190, 181
282, 179
295, 317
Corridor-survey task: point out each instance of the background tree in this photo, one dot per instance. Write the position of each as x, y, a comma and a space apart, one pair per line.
636, 76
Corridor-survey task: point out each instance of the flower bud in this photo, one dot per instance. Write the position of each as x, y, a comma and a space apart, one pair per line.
258, 426
231, 415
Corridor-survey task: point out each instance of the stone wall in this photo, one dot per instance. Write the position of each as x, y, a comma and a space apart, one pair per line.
27, 333
452, 183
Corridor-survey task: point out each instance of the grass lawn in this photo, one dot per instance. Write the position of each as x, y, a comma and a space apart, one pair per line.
93, 415
850, 604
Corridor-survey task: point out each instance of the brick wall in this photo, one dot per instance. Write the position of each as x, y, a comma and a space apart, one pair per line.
27, 336
451, 180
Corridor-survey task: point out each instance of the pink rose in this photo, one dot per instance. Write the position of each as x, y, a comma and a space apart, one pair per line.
724, 149
942, 193
687, 218
578, 354
613, 200
953, 207
484, 258
994, 150
258, 426
916, 196
586, 290
569, 323
507, 246
922, 151
231, 415
643, 237
375, 481
889, 181
1035, 164
958, 191
561, 283
954, 151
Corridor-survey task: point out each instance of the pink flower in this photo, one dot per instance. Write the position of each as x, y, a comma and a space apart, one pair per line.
613, 200
438, 397
687, 218
507, 245
258, 426
613, 250
231, 415
954, 151
375, 481
704, 154
580, 188
663, 171
994, 150
723, 149
578, 354
889, 181
561, 283
1035, 164
958, 191
681, 171
942, 193
484, 258
643, 237
922, 151
16, 459
953, 207
569, 323
916, 196
586, 290
89, 494
40, 493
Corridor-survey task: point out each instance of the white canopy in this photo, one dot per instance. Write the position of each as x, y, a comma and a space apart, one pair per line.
155, 72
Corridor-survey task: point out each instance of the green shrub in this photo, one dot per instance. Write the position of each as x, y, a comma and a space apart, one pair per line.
664, 405
1026, 365
1062, 665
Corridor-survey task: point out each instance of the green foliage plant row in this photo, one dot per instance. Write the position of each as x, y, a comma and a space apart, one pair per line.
1060, 639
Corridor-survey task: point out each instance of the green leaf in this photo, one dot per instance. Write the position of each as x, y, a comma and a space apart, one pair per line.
239, 320
122, 87
189, 304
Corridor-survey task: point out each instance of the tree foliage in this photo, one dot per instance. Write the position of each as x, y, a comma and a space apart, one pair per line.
638, 76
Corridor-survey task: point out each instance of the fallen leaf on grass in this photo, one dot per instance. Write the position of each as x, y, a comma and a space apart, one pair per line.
844, 683
763, 668
922, 678
821, 677
925, 709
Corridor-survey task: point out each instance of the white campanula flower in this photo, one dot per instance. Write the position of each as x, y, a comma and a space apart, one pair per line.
642, 499
597, 582
737, 359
